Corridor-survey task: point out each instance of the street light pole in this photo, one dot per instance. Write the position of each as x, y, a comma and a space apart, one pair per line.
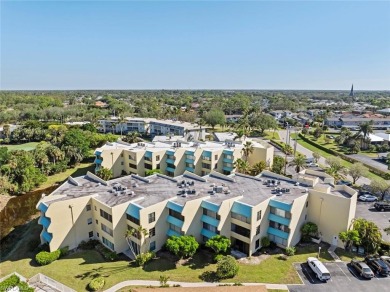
319, 252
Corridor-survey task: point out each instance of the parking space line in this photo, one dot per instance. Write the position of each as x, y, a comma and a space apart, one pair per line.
343, 272
311, 279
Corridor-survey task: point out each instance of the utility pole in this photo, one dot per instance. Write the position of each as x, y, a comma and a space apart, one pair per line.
295, 144
287, 137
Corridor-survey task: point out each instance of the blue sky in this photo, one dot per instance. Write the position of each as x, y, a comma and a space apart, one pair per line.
195, 45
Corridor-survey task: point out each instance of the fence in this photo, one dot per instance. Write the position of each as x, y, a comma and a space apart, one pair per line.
50, 282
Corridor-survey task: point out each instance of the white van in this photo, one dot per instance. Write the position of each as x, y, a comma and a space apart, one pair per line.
319, 269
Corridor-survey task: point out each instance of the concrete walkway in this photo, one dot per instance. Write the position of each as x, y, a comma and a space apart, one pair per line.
331, 250
186, 284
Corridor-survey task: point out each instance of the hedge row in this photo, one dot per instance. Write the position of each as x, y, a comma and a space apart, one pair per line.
383, 174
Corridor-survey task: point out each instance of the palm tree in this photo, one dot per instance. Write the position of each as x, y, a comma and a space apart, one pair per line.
365, 129
132, 137
137, 233
73, 153
316, 157
248, 149
258, 167
104, 173
55, 153
299, 162
241, 165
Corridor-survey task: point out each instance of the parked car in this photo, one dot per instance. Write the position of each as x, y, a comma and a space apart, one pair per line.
377, 265
367, 198
386, 259
382, 206
344, 182
319, 269
312, 164
330, 136
362, 268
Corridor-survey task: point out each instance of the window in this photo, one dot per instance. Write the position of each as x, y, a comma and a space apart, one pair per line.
209, 227
97, 221
97, 234
131, 165
240, 230
108, 243
241, 217
105, 215
158, 166
176, 214
88, 207
152, 232
89, 220
258, 230
157, 157
259, 215
121, 154
135, 232
152, 217
95, 208
305, 216
122, 163
216, 156
132, 219
206, 165
90, 234
216, 166
152, 246
257, 244
107, 229
307, 204
148, 166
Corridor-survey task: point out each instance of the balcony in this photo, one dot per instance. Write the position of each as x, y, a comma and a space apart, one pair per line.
280, 205
170, 169
175, 221
173, 206
227, 168
170, 160
47, 236
43, 207
98, 161
279, 219
209, 220
227, 160
190, 169
277, 232
188, 160
207, 233
171, 232
210, 206
44, 221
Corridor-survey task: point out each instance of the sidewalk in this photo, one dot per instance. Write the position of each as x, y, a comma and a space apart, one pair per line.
187, 284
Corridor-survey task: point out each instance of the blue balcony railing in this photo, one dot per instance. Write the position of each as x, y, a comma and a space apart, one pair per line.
175, 221
207, 233
277, 232
279, 219
171, 232
190, 169
280, 205
47, 236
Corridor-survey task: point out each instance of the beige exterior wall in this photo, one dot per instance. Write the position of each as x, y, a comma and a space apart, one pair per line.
192, 212
263, 223
298, 213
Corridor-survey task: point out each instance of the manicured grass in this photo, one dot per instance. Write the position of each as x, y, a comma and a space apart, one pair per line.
78, 269
76, 171
347, 255
271, 135
25, 146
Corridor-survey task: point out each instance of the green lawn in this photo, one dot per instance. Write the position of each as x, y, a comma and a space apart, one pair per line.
347, 256
324, 154
25, 146
77, 270
271, 135
79, 170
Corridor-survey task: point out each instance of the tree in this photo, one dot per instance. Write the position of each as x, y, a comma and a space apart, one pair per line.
227, 267
369, 234
132, 137
287, 149
3, 155
278, 164
215, 117
318, 132
380, 186
316, 157
336, 168
7, 131
357, 170
182, 246
262, 122
349, 237
305, 131
365, 129
138, 233
104, 173
76, 138
219, 244
309, 229
241, 165
258, 167
247, 149
299, 162
73, 153
152, 171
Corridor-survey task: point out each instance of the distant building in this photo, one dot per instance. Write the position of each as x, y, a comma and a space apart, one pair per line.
385, 111
354, 122
174, 157
351, 92
12, 128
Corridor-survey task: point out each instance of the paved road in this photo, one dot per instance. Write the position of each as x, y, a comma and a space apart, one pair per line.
370, 161
309, 154
185, 284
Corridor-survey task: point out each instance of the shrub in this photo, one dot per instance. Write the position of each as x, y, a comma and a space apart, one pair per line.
64, 251
218, 257
143, 258
96, 284
227, 267
272, 245
308, 229
107, 254
164, 281
90, 244
9, 283
219, 244
45, 258
265, 242
283, 257
290, 251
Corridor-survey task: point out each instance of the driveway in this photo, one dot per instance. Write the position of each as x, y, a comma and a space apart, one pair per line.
344, 278
382, 219
370, 161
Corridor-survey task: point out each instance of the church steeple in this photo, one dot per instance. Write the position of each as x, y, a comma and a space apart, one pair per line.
351, 93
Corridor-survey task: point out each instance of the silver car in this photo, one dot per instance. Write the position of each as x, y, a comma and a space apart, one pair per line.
368, 198
362, 268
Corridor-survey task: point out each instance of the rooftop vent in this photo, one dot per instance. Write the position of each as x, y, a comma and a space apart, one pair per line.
297, 183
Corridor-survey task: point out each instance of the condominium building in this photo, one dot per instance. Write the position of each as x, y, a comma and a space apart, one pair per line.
174, 157
153, 127
240, 207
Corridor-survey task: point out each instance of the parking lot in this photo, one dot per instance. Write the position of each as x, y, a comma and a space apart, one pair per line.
367, 211
344, 278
